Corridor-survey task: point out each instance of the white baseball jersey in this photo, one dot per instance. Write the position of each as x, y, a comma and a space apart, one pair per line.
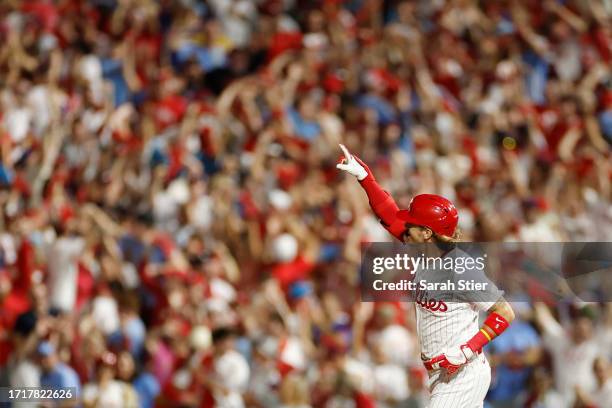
449, 318
452, 325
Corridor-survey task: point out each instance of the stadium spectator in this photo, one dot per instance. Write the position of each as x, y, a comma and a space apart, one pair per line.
576, 347
542, 392
106, 390
55, 374
513, 357
603, 392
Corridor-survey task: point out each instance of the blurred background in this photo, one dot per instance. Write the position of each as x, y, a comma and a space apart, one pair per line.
174, 233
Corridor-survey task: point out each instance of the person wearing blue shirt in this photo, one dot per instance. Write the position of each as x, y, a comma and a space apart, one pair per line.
147, 387
56, 374
305, 129
513, 356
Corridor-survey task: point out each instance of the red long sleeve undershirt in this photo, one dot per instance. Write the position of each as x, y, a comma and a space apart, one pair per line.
383, 206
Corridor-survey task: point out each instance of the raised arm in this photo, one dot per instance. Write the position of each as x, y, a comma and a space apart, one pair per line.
551, 328
382, 203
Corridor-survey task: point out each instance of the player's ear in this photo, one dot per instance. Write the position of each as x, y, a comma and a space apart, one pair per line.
427, 233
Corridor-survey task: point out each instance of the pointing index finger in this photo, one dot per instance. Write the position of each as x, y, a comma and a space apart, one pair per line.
347, 154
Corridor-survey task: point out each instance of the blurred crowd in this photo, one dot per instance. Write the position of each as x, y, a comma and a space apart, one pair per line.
173, 231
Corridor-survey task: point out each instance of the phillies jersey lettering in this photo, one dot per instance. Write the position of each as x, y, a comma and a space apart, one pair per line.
422, 299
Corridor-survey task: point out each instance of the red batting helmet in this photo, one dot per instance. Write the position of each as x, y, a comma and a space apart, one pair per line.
432, 211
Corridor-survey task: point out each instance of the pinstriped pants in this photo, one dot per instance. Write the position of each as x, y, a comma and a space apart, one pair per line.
466, 389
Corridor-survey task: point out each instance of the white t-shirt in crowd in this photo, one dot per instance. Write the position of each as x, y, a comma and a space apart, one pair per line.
63, 271
109, 396
572, 363
397, 344
233, 372
24, 374
17, 123
390, 383
105, 312
602, 396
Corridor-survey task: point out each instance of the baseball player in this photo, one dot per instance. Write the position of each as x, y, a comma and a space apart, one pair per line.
451, 340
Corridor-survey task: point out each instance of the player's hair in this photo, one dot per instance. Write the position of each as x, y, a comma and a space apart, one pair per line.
457, 235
